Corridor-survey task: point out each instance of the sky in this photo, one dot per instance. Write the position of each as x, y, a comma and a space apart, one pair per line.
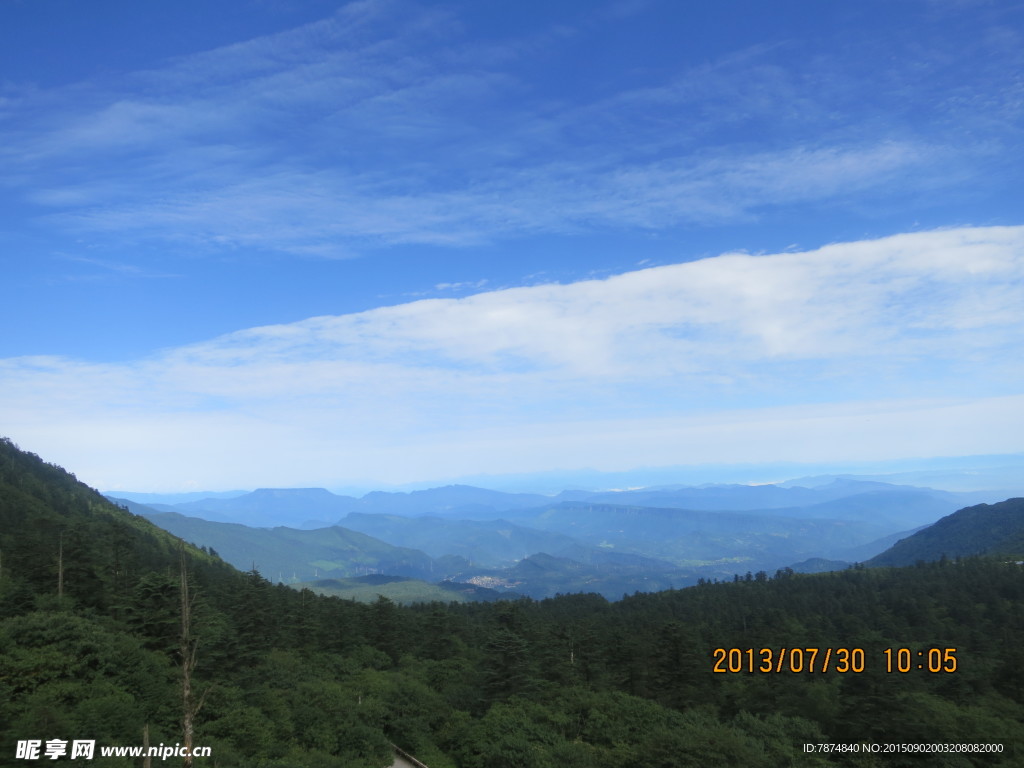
270, 243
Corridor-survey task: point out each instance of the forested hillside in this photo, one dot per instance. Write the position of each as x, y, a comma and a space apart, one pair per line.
984, 529
91, 648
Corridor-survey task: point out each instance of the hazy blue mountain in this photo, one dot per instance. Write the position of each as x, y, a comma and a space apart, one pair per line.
689, 537
979, 475
459, 501
719, 497
899, 507
151, 499
265, 507
139, 508
608, 558
318, 507
677, 538
954, 473
291, 555
890, 506
863, 552
595, 546
819, 565
294, 556
298, 556
894, 508
486, 542
984, 529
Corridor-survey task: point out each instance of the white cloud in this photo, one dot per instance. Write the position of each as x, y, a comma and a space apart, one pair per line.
906, 345
909, 295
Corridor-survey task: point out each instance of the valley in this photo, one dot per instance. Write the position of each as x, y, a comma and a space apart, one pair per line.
608, 542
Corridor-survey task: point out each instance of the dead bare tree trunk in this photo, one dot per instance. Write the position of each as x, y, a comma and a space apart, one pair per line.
60, 566
189, 706
147, 761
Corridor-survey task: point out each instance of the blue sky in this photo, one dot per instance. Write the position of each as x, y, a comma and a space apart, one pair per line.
273, 243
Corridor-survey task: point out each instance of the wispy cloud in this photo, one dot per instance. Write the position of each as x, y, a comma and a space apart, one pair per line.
382, 125
95, 269
329, 213
700, 361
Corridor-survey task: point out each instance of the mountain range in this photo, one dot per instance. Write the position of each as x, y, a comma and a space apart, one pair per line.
318, 507
611, 542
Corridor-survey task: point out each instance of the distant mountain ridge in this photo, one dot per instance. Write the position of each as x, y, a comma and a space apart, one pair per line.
267, 507
318, 507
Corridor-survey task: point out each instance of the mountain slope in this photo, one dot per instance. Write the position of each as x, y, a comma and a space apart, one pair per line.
458, 501
92, 607
693, 538
267, 507
989, 529
47, 516
292, 555
484, 542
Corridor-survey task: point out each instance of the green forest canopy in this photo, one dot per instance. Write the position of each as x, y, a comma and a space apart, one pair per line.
90, 647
